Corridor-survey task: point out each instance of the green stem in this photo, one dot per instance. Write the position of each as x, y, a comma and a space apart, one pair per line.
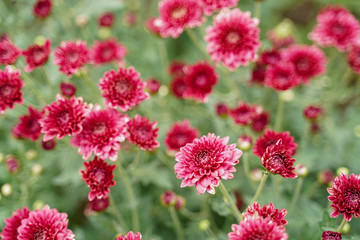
279, 114
163, 55
296, 194
32, 87
261, 186
91, 84
116, 212
178, 227
257, 10
246, 166
46, 76
196, 41
134, 164
228, 199
341, 226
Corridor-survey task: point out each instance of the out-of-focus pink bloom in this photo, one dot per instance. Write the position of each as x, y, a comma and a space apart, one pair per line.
10, 88
36, 55
211, 6
42, 8
179, 135
107, 19
107, 51
29, 126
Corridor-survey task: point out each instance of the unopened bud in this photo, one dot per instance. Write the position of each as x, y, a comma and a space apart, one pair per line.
104, 33
6, 189
287, 96
301, 170
31, 154
38, 204
168, 198
81, 20
325, 176
180, 202
244, 143
256, 175
343, 170
346, 228
40, 40
37, 169
284, 29
222, 110
163, 90
12, 164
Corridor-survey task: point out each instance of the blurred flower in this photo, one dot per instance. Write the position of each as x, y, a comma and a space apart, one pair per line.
48, 145
8, 52
233, 39
353, 57
130, 19
12, 224
36, 55
12, 164
326, 176
258, 74
180, 202
168, 198
81, 20
29, 126
315, 127
10, 88
312, 112
206, 161
106, 19
301, 170
221, 109
153, 85
42, 8
67, 89
260, 121
178, 87
177, 68
243, 113
345, 196
204, 225
31, 154
329, 235
153, 25
270, 57
107, 51
179, 134
6, 189
267, 211
256, 174
210, 6
98, 175
280, 40
130, 236
37, 169
343, 170
123, 89
99, 204
244, 142
281, 76
239, 200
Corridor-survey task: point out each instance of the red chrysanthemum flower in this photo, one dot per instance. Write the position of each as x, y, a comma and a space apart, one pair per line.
258, 74
10, 231
153, 25
281, 76
48, 145
206, 161
270, 57
178, 87
8, 52
260, 121
179, 135
36, 55
337, 27
45, 224
345, 196
123, 89
99, 204
103, 131
177, 15
313, 112
270, 138
254, 228
233, 39
211, 6
10, 88
329, 235
106, 19
199, 79
277, 160
130, 236
353, 57
67, 89
65, 117
42, 8
243, 113
98, 175
221, 109
153, 85
107, 51
143, 133
177, 68
29, 126
309, 61
267, 211
71, 56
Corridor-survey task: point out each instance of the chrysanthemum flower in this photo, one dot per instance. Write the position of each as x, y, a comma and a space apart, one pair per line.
103, 131
177, 68
123, 89
99, 204
106, 19
267, 211
45, 224
98, 175
329, 235
336, 27
153, 25
206, 161
259, 121
10, 88
277, 160
152, 85
233, 39
36, 55
345, 196
8, 52
270, 138
48, 145
10, 231
199, 79
29, 126
179, 135
258, 74
309, 61
281, 76
243, 113
42, 8
177, 15
254, 228
67, 89
211, 6
178, 87
270, 57
353, 57
107, 51
64, 118
12, 164
71, 56
313, 112
143, 133
130, 236
221, 109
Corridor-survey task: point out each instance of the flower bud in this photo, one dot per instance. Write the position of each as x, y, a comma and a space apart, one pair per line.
312, 112
301, 170
104, 33
256, 175
344, 170
40, 40
163, 91
287, 96
38, 204
180, 202
99, 205
204, 225
12, 164
37, 169
48, 145
346, 228
31, 154
81, 20
284, 29
325, 176
6, 189
67, 89
153, 85
222, 110
168, 198
244, 143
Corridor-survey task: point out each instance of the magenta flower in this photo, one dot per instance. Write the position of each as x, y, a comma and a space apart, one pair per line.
106, 19
233, 39
152, 85
42, 8
267, 211
345, 196
329, 235
29, 126
107, 51
206, 161
270, 57
153, 25
281, 76
8, 52
36, 55
178, 87
243, 113
10, 231
313, 112
211, 6
258, 74
130, 236
179, 135
123, 89
10, 88
221, 109
67, 89
260, 121
177, 69
99, 204
353, 57
48, 145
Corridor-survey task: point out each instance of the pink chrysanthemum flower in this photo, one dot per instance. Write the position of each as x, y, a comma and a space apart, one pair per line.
329, 235
309, 61
254, 228
130, 236
71, 56
123, 89
8, 52
45, 224
179, 135
98, 175
260, 121
36, 56
267, 211
221, 109
243, 113
10, 88
353, 57
153, 85
178, 87
143, 133
270, 57
270, 138
258, 74
233, 39
29, 126
177, 68
107, 51
107, 19
10, 231
313, 112
64, 118
281, 76
42, 8
103, 131
12, 164
336, 27
153, 25
67, 89
277, 160
211, 6
206, 161
345, 196
199, 79
99, 204
177, 15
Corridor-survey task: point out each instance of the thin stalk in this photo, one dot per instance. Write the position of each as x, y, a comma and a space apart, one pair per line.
176, 221
116, 212
91, 84
261, 186
279, 114
32, 87
296, 194
163, 55
257, 9
341, 226
196, 41
246, 167
134, 164
228, 199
